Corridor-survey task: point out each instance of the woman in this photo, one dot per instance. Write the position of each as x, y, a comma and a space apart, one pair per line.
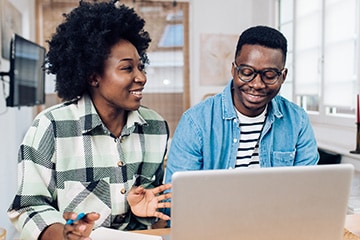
99, 152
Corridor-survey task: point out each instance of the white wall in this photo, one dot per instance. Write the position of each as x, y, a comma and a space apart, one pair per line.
13, 124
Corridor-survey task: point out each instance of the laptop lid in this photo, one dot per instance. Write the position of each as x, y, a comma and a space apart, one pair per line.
297, 203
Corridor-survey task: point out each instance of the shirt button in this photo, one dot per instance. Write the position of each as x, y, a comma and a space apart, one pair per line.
123, 191
235, 140
120, 163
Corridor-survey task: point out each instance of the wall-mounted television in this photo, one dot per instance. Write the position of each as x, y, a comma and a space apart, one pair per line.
26, 74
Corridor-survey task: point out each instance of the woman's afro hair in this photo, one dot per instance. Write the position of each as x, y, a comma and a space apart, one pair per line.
82, 43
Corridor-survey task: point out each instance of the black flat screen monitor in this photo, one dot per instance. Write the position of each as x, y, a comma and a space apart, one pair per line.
27, 75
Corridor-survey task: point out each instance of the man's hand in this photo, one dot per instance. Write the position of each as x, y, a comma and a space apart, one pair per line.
146, 202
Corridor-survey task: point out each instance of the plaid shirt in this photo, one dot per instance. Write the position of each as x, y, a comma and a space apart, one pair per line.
69, 161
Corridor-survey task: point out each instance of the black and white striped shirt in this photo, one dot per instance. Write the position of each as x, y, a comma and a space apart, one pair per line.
250, 129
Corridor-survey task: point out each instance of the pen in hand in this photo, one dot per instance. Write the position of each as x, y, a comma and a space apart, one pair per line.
79, 216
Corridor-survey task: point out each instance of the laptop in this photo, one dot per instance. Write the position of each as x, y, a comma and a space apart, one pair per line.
280, 203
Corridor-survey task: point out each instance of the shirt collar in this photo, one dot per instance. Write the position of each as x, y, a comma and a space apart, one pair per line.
134, 118
90, 119
227, 102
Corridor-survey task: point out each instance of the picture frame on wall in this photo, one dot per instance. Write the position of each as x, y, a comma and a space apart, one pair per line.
11, 22
217, 52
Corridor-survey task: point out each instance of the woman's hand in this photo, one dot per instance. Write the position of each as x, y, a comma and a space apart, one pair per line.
146, 202
80, 229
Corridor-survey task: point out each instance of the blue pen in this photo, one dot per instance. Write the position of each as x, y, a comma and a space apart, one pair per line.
79, 216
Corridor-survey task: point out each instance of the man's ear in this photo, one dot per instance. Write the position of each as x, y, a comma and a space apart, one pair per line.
232, 70
284, 74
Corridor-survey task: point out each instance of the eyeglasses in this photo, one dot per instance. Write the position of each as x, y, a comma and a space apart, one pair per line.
268, 76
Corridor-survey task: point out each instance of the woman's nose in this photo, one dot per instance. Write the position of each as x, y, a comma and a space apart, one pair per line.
140, 77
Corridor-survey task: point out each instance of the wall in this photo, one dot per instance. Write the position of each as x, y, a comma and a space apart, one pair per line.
13, 124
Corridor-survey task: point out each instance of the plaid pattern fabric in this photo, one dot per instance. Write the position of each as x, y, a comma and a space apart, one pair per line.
69, 161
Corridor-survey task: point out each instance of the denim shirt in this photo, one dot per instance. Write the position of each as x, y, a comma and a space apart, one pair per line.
207, 136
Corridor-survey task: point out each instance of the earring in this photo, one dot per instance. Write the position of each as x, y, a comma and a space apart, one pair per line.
96, 84
117, 4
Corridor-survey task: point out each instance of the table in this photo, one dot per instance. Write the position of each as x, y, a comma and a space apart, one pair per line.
352, 224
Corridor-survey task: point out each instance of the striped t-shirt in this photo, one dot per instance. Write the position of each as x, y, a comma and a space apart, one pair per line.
250, 129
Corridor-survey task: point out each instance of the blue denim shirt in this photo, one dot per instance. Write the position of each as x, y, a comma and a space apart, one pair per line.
207, 136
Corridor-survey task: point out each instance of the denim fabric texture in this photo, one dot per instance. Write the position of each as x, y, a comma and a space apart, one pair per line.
207, 136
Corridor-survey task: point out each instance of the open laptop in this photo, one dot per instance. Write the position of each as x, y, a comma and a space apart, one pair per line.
282, 203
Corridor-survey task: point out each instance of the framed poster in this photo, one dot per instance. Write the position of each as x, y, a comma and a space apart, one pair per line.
217, 52
11, 22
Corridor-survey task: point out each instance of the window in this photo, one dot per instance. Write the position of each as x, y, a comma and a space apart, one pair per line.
323, 56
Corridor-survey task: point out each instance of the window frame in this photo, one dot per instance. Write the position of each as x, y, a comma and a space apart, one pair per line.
324, 116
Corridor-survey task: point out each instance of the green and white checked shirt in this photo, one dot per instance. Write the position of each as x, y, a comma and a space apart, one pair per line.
69, 161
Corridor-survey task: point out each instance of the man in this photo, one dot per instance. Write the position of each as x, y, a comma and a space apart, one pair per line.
248, 124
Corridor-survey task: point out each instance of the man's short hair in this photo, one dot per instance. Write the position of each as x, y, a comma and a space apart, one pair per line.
264, 36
